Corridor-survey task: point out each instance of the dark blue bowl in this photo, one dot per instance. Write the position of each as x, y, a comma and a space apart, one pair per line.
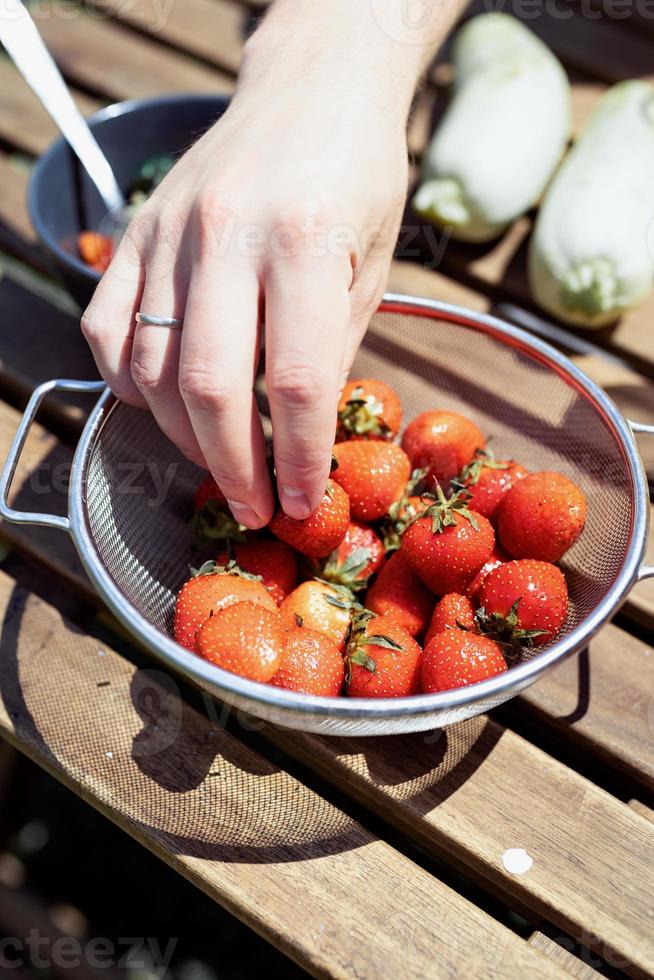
62, 200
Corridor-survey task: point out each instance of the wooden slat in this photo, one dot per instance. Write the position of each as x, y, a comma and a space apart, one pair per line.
211, 30
297, 870
16, 233
560, 954
605, 708
24, 123
112, 60
479, 790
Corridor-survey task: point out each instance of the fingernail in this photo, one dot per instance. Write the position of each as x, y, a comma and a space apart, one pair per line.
244, 514
294, 502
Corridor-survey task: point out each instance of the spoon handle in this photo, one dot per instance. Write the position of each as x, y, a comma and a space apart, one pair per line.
25, 46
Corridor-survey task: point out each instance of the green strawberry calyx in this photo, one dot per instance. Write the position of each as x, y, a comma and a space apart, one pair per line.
442, 513
506, 630
402, 512
347, 572
483, 459
358, 639
363, 416
230, 568
215, 523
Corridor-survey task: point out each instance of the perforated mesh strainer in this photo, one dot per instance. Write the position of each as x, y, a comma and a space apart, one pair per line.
131, 497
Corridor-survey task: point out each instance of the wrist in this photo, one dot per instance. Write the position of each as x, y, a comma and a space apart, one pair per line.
347, 51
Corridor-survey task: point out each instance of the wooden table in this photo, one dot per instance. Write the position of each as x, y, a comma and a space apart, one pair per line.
566, 771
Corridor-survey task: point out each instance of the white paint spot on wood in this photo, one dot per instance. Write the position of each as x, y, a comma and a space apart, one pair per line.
516, 861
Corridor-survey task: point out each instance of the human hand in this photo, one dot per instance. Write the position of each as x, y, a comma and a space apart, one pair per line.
281, 218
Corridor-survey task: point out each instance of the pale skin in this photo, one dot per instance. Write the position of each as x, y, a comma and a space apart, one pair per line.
281, 220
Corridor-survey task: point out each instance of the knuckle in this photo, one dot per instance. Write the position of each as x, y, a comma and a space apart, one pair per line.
297, 385
90, 327
145, 374
213, 206
203, 390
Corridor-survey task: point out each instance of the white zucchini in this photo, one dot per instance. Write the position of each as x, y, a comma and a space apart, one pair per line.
591, 251
503, 133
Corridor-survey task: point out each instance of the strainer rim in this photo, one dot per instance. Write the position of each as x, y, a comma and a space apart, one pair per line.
513, 680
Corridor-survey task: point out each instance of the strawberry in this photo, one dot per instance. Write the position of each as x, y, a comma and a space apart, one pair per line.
399, 594
95, 249
441, 442
272, 561
523, 603
542, 516
497, 558
321, 607
373, 474
368, 409
317, 535
208, 490
452, 612
212, 520
311, 664
383, 660
245, 639
356, 559
448, 544
456, 658
210, 589
488, 481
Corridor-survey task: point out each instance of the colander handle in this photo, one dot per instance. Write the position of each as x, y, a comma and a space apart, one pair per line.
642, 428
9, 469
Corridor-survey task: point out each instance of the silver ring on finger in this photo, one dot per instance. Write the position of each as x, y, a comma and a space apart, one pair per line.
152, 320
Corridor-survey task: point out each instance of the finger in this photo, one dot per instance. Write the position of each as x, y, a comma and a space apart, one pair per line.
307, 314
156, 353
220, 350
108, 322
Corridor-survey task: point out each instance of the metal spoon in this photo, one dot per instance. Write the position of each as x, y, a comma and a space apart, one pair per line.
25, 46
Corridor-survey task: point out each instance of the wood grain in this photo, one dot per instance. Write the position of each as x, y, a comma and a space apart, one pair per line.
476, 791
209, 30
24, 123
311, 880
556, 949
606, 709
108, 58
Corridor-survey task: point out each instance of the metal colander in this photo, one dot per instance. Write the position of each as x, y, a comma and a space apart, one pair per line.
131, 498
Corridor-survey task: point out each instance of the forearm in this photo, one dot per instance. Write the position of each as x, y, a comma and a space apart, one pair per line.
363, 52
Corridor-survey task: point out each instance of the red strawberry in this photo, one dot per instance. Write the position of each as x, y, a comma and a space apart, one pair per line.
311, 664
321, 607
402, 511
497, 558
399, 593
245, 639
383, 660
542, 516
524, 603
207, 490
356, 559
448, 544
368, 409
488, 481
212, 588
441, 442
456, 658
373, 474
453, 611
272, 561
322, 531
